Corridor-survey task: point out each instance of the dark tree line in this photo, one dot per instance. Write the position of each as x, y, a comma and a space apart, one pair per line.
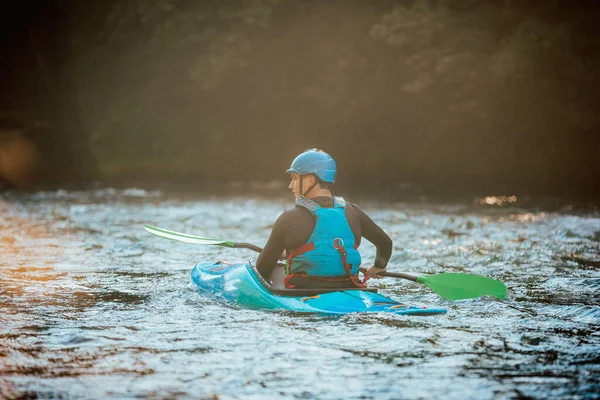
467, 93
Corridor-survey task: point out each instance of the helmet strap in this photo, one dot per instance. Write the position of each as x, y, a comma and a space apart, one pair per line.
305, 194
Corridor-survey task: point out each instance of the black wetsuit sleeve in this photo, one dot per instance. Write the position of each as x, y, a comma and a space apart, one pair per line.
374, 234
268, 258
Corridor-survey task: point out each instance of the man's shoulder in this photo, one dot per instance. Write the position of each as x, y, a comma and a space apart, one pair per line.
292, 217
294, 212
352, 205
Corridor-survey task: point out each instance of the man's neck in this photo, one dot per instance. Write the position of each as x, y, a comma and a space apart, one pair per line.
319, 193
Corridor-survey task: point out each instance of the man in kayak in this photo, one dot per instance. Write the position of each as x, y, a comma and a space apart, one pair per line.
319, 237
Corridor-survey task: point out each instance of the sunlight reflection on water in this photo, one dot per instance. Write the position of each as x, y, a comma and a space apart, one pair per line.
91, 306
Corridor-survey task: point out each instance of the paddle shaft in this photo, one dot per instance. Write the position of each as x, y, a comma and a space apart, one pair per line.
249, 246
394, 275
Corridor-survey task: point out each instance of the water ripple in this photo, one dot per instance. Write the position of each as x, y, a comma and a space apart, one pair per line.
93, 307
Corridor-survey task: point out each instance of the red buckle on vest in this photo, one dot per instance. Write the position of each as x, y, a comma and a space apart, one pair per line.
338, 243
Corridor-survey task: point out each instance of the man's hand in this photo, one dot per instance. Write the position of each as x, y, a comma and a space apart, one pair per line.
373, 272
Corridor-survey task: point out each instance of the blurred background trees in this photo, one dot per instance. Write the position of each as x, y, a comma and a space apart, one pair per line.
453, 95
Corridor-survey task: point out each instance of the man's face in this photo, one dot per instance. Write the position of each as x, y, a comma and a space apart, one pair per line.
294, 186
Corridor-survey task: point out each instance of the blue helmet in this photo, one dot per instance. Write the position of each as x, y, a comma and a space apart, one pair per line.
314, 161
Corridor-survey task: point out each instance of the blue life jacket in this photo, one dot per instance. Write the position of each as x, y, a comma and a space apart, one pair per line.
330, 251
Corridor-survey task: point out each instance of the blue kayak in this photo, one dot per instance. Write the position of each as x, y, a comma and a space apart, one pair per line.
242, 284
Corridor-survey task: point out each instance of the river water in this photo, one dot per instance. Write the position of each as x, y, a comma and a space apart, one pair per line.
91, 306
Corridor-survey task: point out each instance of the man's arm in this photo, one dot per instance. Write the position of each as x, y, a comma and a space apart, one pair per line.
274, 247
374, 234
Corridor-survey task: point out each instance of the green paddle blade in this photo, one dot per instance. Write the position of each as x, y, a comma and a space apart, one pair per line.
183, 237
453, 286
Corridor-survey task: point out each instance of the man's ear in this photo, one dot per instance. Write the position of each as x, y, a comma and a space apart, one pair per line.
310, 180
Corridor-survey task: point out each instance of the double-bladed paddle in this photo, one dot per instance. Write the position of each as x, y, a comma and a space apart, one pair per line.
452, 286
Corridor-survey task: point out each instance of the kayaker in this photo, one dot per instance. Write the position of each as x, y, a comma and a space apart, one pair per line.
319, 237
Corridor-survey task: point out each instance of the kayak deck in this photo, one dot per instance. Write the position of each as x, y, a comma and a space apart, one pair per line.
241, 284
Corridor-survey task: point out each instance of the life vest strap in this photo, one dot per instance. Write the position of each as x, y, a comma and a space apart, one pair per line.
339, 201
338, 244
305, 248
308, 204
